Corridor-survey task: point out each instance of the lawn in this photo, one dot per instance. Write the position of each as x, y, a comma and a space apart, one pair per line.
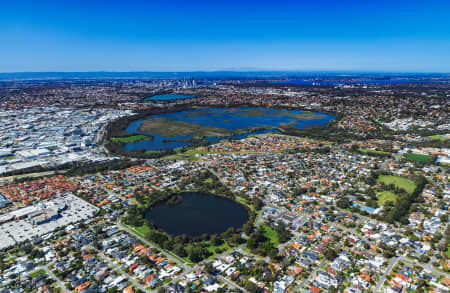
244, 202
153, 152
385, 196
130, 139
143, 230
7, 158
438, 137
271, 234
37, 273
400, 182
375, 152
188, 155
212, 248
417, 157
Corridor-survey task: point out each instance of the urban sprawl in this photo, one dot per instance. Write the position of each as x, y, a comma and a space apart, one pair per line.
358, 205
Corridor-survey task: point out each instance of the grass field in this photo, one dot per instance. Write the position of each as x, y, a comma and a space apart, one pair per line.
37, 273
7, 158
129, 139
369, 151
212, 248
143, 230
417, 157
188, 155
270, 233
244, 202
438, 137
399, 182
385, 196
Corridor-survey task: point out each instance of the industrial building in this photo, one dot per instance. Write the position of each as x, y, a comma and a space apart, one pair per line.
45, 217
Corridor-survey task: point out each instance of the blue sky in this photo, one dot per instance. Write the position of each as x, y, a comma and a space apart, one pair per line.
360, 35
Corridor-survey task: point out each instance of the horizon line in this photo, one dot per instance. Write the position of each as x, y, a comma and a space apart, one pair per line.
238, 71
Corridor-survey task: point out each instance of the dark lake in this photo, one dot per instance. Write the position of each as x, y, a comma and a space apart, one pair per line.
198, 214
232, 119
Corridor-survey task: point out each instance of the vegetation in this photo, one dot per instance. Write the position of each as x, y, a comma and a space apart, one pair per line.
7, 158
80, 168
130, 139
399, 182
184, 153
406, 191
38, 273
73, 168
386, 196
194, 248
417, 157
258, 243
406, 201
271, 234
117, 147
169, 128
374, 152
267, 237
438, 137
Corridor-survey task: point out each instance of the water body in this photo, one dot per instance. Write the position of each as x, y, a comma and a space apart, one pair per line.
232, 119
168, 97
336, 82
198, 214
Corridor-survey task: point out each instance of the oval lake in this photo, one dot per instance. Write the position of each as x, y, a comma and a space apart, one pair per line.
198, 214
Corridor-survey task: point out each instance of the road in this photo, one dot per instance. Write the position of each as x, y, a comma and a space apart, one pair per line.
148, 243
113, 265
427, 266
231, 284
314, 272
391, 265
52, 275
58, 281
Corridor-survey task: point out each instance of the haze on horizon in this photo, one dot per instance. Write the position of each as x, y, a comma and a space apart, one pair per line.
80, 36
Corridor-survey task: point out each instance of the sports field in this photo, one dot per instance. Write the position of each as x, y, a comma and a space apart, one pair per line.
417, 157
400, 182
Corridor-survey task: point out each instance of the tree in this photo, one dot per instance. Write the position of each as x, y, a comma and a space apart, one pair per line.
179, 250
216, 240
198, 253
343, 203
330, 253
251, 287
257, 203
251, 242
209, 268
247, 228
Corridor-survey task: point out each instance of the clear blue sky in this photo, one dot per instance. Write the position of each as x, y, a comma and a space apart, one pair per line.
111, 35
